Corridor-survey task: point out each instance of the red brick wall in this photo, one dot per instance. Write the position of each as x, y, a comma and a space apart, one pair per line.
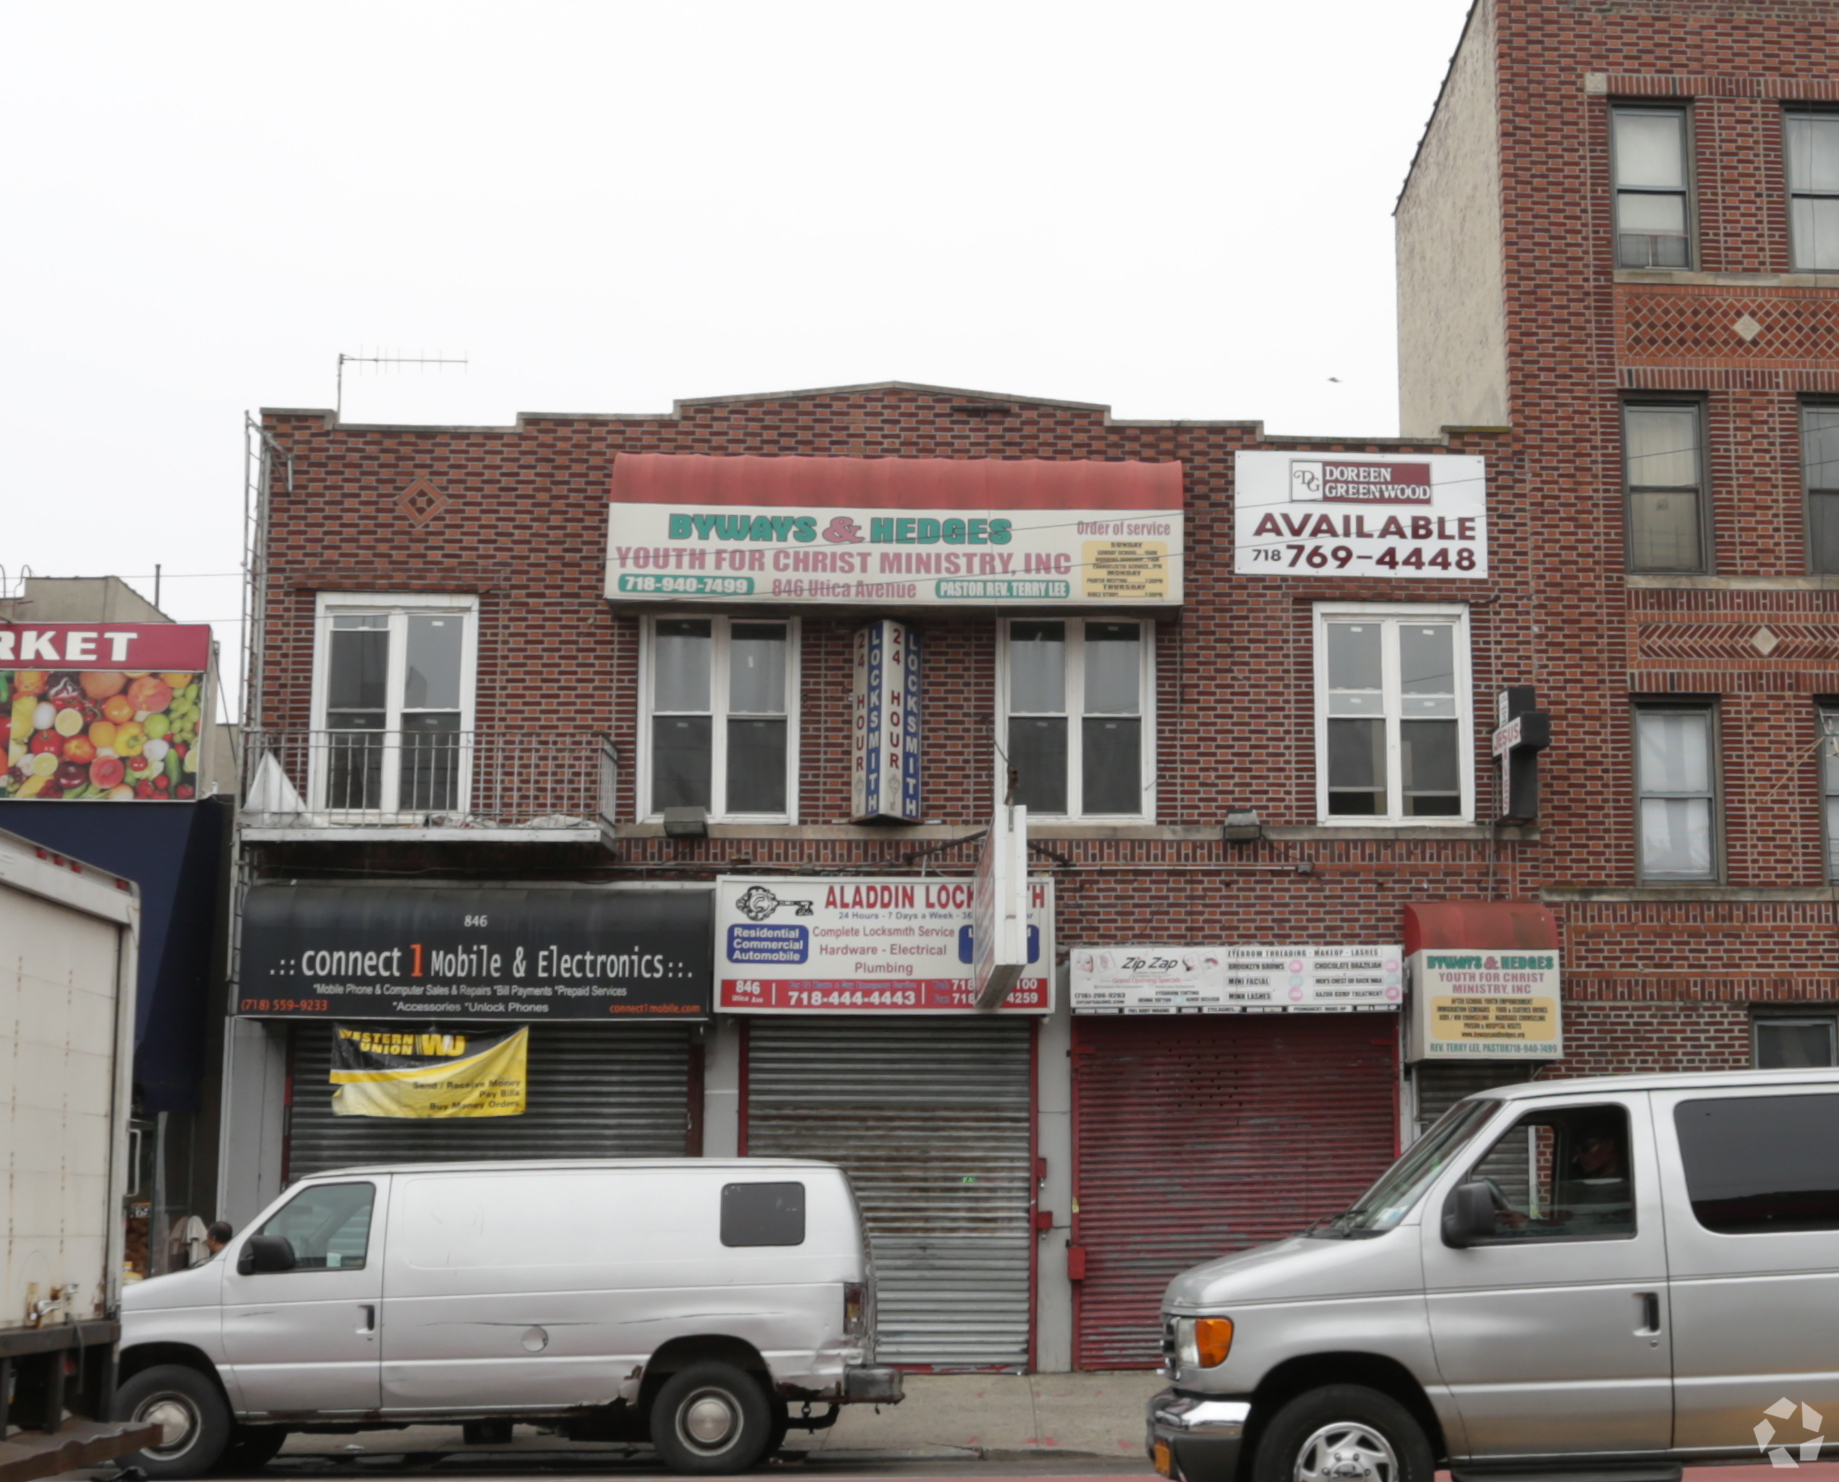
1661, 980
1662, 983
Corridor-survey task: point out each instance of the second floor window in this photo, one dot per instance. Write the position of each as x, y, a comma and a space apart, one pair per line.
1664, 466
1392, 708
1820, 462
1676, 778
1813, 191
1652, 214
1828, 721
393, 704
720, 725
1076, 701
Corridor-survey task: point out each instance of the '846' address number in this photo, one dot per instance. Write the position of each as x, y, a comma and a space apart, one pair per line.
1340, 557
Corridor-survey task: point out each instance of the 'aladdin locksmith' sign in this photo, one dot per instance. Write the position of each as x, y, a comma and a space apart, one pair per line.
395, 952
881, 944
1415, 515
906, 532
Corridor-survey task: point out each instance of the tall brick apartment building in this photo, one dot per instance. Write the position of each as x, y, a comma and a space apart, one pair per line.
1620, 239
680, 739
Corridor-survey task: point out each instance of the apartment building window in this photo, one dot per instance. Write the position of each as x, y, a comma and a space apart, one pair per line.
1820, 465
1653, 213
1676, 782
1813, 191
1077, 731
392, 703
720, 723
1794, 1040
1828, 722
1393, 714
1663, 465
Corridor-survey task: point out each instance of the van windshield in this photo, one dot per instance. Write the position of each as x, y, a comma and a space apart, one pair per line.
1403, 1184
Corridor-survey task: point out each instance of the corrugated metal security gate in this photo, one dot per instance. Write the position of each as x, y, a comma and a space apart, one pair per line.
1437, 1085
615, 1092
934, 1122
1193, 1137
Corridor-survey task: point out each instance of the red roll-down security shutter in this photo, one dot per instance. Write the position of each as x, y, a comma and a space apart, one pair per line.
1197, 1136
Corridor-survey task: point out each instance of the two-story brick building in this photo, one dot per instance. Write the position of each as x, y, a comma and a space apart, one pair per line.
679, 738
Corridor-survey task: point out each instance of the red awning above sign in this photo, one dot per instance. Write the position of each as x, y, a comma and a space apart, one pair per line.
895, 483
1494, 926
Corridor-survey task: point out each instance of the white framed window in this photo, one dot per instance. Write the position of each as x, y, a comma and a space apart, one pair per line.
1813, 191
1827, 719
1650, 157
1076, 716
1393, 714
1676, 782
718, 727
1794, 1039
392, 719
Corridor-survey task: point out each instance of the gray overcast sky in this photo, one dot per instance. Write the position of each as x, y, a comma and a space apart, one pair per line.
1178, 209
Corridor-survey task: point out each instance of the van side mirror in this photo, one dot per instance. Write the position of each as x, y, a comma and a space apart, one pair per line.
262, 1253
1468, 1215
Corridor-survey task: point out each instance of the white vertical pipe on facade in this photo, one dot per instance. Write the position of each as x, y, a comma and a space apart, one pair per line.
1053, 1297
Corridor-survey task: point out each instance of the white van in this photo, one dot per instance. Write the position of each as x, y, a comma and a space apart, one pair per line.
688, 1302
1614, 1276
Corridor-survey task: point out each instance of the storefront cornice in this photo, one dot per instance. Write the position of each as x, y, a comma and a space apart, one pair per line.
1785, 893
1167, 832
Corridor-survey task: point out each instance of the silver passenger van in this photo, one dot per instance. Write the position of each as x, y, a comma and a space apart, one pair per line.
688, 1302
1617, 1275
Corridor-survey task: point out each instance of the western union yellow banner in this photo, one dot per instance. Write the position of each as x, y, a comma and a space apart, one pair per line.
429, 1073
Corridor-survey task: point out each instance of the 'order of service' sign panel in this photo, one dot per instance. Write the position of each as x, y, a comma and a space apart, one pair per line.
921, 532
1416, 515
809, 945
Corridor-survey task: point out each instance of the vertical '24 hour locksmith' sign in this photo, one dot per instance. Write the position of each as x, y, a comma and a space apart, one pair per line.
884, 723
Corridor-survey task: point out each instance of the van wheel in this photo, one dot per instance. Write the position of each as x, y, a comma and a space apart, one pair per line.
251, 1448
781, 1423
710, 1419
1343, 1433
190, 1411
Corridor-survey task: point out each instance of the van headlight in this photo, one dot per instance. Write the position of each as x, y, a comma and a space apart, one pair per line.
1202, 1342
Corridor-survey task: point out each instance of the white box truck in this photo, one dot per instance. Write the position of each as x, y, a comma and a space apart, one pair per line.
68, 938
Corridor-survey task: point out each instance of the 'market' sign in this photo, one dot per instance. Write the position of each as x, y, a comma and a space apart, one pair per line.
924, 532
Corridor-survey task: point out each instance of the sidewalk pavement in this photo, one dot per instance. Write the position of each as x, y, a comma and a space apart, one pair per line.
944, 1415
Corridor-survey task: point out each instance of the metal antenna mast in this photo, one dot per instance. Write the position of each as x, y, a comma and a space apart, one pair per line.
339, 402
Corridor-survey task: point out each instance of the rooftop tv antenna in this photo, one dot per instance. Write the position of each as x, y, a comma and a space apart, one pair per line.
423, 359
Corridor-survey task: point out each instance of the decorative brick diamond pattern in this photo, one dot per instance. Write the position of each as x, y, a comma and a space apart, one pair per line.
421, 502
1763, 328
1663, 644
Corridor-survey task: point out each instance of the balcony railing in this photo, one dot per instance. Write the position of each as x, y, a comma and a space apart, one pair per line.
426, 779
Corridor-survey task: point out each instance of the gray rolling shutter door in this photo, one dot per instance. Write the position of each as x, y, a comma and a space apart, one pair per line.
932, 1121
1438, 1085
616, 1092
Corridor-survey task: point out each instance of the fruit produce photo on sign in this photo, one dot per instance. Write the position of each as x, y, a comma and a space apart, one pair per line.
102, 712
